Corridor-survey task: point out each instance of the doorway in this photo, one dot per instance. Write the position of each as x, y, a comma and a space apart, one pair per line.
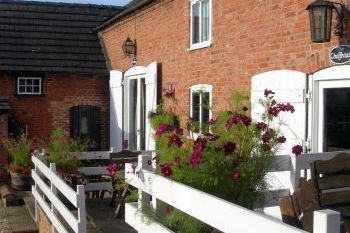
334, 115
135, 112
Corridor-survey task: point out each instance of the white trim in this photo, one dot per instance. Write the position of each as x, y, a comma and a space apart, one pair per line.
201, 44
333, 73
197, 88
25, 85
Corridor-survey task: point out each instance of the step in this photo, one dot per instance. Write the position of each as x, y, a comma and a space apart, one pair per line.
18, 219
30, 205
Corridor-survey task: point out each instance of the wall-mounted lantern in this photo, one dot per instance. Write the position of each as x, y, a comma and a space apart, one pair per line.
129, 47
320, 13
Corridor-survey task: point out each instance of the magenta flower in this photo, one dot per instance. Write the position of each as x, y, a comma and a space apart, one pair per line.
175, 140
166, 169
178, 161
212, 121
228, 147
112, 169
199, 143
169, 94
195, 159
268, 92
163, 128
261, 126
297, 150
246, 120
189, 122
281, 139
235, 175
211, 137
125, 144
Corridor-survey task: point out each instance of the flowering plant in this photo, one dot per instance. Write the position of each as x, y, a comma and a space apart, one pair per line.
232, 158
19, 150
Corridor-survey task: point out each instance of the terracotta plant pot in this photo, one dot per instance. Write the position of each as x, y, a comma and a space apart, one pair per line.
21, 181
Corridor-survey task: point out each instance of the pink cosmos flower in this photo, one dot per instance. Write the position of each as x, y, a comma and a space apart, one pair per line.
281, 139
166, 169
163, 128
268, 92
261, 125
297, 150
235, 175
175, 140
212, 121
228, 147
112, 169
125, 144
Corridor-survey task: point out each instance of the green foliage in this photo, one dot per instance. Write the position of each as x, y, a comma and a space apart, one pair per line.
163, 117
19, 150
230, 161
60, 150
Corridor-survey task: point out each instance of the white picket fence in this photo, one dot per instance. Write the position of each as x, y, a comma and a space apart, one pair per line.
216, 212
47, 183
44, 190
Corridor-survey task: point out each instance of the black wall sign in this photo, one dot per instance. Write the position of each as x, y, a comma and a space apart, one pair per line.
340, 54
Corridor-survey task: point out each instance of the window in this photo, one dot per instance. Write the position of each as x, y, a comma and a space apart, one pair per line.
200, 106
29, 86
200, 24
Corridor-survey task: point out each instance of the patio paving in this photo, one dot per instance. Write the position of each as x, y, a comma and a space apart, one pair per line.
102, 215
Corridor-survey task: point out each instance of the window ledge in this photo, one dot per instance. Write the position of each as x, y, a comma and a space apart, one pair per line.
200, 46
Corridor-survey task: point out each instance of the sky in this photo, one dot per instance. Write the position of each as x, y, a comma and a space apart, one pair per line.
99, 2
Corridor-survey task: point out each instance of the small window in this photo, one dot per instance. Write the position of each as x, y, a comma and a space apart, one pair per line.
200, 107
29, 86
200, 23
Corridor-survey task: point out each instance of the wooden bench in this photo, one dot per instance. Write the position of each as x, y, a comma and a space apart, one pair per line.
329, 188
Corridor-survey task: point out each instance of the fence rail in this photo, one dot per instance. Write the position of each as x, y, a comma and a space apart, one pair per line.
44, 190
232, 218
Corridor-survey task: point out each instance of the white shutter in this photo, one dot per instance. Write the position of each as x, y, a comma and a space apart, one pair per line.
289, 87
116, 109
151, 102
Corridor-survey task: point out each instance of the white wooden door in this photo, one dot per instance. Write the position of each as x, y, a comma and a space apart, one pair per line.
290, 87
116, 110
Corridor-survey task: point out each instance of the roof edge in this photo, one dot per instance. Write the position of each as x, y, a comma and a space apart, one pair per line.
122, 14
87, 5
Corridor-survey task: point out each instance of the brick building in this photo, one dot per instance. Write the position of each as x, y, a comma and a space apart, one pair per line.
53, 71
219, 46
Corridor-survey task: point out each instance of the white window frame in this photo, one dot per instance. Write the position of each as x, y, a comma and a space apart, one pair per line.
29, 93
203, 44
198, 88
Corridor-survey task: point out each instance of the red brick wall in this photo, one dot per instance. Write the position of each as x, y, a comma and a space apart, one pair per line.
42, 114
249, 37
3, 152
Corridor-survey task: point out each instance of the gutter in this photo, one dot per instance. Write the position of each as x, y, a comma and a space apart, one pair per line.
122, 14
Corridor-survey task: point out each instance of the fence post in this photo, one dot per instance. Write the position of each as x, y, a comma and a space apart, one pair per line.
144, 198
326, 221
35, 202
54, 191
81, 209
294, 173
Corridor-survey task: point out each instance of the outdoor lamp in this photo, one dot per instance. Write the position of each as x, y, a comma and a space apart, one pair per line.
129, 47
320, 13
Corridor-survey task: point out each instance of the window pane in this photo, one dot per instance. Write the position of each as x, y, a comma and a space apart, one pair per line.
133, 114
205, 21
195, 108
195, 23
36, 89
21, 82
36, 82
29, 81
29, 89
205, 111
336, 119
22, 89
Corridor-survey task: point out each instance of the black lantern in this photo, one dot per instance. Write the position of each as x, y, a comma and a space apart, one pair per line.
320, 13
129, 47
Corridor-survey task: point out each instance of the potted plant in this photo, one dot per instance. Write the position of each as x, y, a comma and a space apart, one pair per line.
19, 150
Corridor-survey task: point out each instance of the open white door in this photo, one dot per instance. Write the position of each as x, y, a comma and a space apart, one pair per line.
290, 87
116, 109
151, 103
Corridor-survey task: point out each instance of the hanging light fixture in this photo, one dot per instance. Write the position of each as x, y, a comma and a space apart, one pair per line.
129, 47
320, 14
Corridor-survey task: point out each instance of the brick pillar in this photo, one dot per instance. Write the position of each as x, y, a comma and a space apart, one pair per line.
4, 160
